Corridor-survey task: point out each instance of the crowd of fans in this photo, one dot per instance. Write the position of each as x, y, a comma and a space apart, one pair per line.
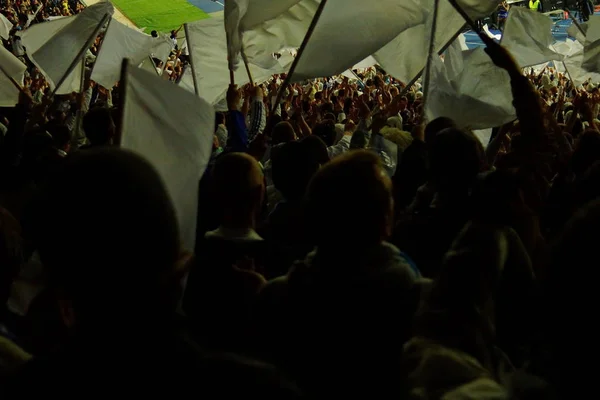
345, 246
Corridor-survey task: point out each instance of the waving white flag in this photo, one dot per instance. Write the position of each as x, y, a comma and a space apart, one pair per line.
528, 37
38, 35
120, 42
173, 129
55, 56
5, 27
484, 102
207, 44
243, 15
406, 55
349, 31
9, 94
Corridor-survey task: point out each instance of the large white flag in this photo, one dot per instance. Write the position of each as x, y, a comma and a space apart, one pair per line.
243, 15
5, 27
55, 56
173, 129
475, 103
38, 35
9, 94
406, 55
573, 63
286, 31
120, 42
528, 37
591, 50
208, 50
348, 31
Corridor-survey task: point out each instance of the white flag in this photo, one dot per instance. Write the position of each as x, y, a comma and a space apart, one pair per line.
56, 55
528, 37
576, 33
9, 94
474, 103
591, 50
405, 56
37, 36
284, 32
173, 129
243, 15
5, 27
208, 50
31, 17
120, 42
351, 30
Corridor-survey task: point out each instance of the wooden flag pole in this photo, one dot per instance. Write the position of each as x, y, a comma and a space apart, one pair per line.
432, 53
247, 66
123, 90
190, 50
82, 51
575, 22
484, 38
288, 78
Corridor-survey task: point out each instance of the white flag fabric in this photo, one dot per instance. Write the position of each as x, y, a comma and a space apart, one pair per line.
173, 129
38, 35
575, 33
405, 56
120, 42
573, 63
56, 55
351, 30
9, 94
286, 31
591, 50
528, 37
208, 50
243, 15
31, 17
5, 27
484, 102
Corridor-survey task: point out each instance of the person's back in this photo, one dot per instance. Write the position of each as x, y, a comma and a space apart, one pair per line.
223, 281
117, 270
343, 314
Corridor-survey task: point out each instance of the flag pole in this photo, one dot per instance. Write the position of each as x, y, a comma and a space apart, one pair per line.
82, 51
484, 38
288, 78
123, 82
189, 44
247, 66
575, 22
432, 53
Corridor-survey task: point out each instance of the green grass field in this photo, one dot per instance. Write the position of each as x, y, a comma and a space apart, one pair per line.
161, 15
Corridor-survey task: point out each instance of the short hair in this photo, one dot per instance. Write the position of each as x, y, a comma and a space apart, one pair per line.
436, 126
98, 126
124, 246
326, 131
358, 188
293, 167
61, 135
318, 149
237, 182
283, 132
455, 159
